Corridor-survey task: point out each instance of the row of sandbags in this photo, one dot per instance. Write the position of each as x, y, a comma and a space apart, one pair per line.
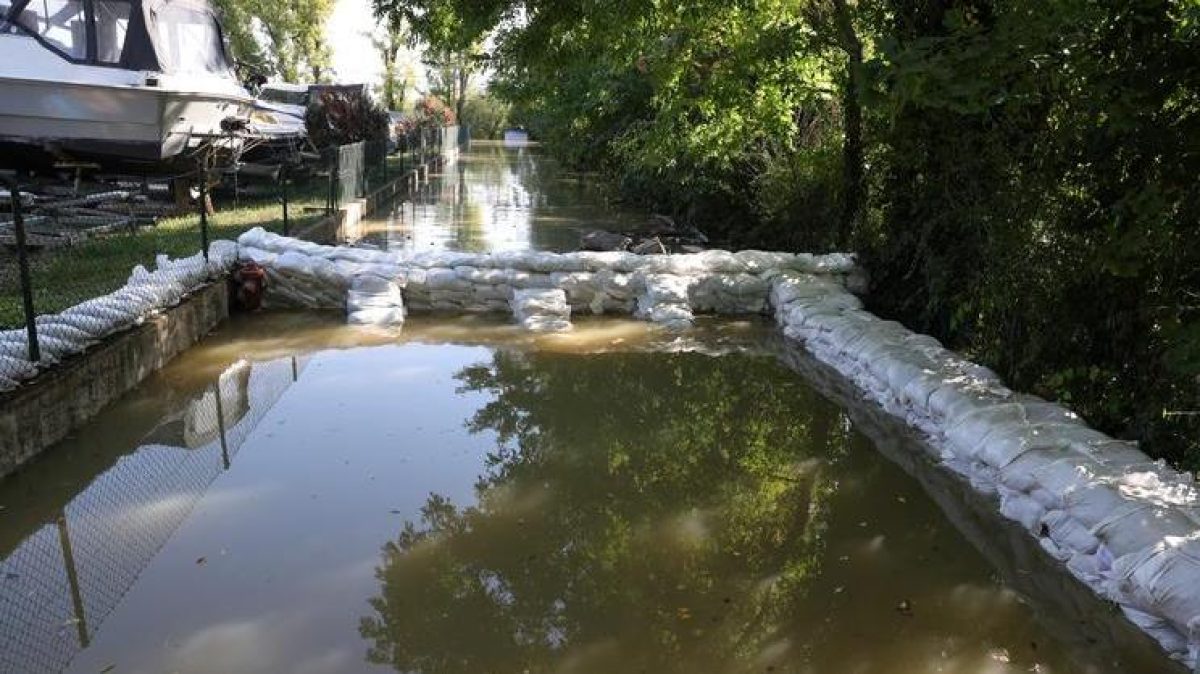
707, 262
1126, 526
73, 330
309, 275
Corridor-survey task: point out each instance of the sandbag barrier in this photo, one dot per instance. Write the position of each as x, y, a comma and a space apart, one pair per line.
662, 288
75, 329
1125, 526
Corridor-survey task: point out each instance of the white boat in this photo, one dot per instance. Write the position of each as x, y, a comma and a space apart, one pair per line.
135, 82
516, 137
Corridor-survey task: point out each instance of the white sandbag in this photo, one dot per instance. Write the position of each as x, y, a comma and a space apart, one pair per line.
1069, 533
666, 289
541, 310
1162, 581
1020, 508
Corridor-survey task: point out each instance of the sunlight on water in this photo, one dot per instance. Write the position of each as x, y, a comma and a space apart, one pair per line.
497, 198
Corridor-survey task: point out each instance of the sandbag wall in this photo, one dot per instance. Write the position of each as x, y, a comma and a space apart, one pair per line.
75, 329
663, 288
1126, 526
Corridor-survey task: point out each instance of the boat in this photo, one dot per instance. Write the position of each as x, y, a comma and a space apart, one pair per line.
143, 84
516, 137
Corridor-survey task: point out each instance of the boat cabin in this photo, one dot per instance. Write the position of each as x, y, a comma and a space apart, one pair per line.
179, 37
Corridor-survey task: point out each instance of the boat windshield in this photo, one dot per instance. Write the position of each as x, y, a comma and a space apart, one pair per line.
112, 26
286, 96
188, 41
62, 24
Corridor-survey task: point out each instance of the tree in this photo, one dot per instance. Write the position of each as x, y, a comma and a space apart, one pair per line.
294, 33
389, 45
450, 74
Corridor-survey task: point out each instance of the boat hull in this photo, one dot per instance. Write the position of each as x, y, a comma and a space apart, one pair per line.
140, 125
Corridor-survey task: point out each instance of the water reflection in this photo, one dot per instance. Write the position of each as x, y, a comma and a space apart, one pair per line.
638, 512
497, 198
68, 562
588, 502
657, 513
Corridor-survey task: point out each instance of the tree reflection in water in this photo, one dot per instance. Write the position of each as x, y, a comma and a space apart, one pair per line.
647, 512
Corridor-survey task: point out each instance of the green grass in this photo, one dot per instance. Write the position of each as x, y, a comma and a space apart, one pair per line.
63, 277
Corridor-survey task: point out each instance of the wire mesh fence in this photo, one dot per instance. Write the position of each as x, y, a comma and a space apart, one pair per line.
59, 584
72, 246
63, 243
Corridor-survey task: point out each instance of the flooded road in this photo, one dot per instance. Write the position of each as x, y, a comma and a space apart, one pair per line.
498, 198
294, 495
459, 497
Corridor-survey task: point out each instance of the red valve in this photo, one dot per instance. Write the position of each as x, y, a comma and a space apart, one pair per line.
249, 281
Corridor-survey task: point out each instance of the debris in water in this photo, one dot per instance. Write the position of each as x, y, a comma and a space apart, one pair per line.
201, 560
905, 608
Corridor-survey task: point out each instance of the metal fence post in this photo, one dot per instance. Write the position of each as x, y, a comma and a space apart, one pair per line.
204, 213
35, 351
333, 170
283, 180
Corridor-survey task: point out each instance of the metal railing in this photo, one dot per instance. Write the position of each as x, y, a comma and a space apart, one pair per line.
353, 170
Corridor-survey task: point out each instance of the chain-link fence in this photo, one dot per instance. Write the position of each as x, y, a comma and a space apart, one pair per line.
64, 243
60, 582
354, 170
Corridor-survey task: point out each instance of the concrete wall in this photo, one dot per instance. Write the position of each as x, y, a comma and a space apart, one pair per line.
48, 408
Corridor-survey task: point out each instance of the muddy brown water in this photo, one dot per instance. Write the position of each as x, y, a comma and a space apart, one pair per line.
295, 495
460, 497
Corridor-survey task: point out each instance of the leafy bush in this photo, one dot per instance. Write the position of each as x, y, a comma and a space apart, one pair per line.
433, 111
344, 117
486, 116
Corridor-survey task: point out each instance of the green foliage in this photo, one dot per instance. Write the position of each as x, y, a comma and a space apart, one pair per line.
1020, 178
344, 117
389, 45
295, 31
486, 115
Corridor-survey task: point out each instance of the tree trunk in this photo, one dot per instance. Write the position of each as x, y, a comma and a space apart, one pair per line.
853, 184
463, 76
